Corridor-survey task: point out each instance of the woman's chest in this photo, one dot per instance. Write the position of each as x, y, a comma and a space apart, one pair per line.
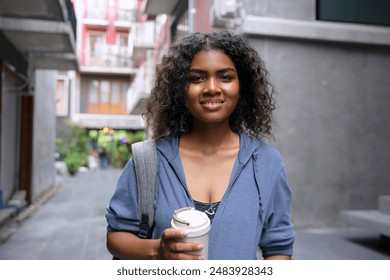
207, 177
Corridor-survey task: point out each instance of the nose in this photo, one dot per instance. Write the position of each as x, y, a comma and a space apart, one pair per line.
212, 86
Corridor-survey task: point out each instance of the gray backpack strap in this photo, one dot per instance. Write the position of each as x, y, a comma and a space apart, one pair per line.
145, 161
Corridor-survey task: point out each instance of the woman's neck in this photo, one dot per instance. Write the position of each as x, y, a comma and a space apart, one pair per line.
210, 139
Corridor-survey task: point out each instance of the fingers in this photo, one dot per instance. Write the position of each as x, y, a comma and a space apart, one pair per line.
173, 246
173, 233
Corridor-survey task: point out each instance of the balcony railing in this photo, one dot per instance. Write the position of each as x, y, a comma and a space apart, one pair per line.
111, 56
126, 15
98, 12
145, 34
143, 81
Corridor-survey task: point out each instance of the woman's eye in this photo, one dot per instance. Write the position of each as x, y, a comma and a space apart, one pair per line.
195, 78
226, 78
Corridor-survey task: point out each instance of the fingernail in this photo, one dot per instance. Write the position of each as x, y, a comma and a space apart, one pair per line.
200, 246
201, 258
183, 233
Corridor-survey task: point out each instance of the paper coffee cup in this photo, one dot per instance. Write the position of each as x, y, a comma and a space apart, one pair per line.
196, 224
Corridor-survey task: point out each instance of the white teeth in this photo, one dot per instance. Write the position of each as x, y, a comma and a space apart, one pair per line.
211, 103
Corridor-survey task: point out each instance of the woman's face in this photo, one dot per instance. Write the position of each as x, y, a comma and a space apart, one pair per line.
213, 88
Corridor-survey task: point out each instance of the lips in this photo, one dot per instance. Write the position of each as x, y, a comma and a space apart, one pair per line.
211, 104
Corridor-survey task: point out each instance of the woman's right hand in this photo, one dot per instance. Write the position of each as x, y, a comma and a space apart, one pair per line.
172, 248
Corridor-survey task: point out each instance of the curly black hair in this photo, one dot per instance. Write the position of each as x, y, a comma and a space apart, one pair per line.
167, 111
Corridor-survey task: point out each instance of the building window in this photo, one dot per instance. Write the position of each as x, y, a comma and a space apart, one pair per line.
96, 44
93, 92
96, 9
107, 97
96, 49
123, 59
116, 93
375, 12
62, 97
104, 92
123, 41
127, 10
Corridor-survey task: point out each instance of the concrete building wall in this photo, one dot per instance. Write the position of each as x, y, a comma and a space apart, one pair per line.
333, 118
297, 9
9, 140
44, 132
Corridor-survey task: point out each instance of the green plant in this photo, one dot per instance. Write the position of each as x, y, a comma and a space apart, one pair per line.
74, 149
74, 160
118, 144
77, 143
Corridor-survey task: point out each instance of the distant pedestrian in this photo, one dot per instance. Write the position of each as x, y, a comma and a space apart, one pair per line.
93, 161
103, 158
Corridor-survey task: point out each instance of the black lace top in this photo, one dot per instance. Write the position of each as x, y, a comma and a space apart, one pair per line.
208, 208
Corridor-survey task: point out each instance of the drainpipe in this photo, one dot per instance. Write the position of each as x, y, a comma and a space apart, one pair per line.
191, 16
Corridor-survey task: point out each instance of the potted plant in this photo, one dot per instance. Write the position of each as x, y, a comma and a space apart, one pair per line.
74, 148
74, 160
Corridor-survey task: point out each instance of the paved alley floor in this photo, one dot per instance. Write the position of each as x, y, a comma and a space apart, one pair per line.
71, 226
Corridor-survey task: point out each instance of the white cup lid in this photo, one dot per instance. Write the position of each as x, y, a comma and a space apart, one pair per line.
193, 221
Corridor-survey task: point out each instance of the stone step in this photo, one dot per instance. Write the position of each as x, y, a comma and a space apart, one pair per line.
6, 214
384, 204
372, 219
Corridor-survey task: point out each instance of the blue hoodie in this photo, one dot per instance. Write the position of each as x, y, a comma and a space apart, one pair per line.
254, 211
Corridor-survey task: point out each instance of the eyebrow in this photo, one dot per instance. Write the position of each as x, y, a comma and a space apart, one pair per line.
223, 70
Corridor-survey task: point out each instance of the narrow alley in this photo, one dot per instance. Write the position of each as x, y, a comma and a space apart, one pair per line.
71, 226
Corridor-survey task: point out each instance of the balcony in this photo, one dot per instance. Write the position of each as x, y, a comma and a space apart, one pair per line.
125, 18
96, 18
113, 121
96, 15
111, 60
144, 41
142, 84
38, 34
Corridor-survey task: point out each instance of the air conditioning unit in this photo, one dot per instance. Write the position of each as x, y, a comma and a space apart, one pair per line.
226, 9
227, 13
111, 53
109, 60
124, 62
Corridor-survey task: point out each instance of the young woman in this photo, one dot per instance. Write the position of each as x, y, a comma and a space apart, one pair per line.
210, 106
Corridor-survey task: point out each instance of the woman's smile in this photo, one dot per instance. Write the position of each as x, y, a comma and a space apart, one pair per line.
212, 104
